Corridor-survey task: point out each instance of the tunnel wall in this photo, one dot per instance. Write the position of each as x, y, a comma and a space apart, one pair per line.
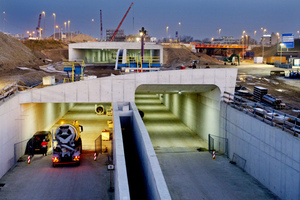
272, 155
199, 112
19, 122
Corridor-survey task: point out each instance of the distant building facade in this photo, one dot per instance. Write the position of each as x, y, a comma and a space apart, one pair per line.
119, 37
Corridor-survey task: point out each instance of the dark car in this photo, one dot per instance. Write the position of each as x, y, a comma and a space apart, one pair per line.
34, 144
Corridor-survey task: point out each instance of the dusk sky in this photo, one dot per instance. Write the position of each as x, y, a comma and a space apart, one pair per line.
199, 18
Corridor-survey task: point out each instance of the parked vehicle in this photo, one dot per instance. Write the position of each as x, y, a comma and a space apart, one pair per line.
34, 144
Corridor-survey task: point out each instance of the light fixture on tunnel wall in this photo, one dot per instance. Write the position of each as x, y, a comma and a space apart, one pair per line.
179, 92
99, 109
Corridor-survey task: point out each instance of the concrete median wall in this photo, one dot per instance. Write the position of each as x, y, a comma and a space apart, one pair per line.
19, 122
272, 156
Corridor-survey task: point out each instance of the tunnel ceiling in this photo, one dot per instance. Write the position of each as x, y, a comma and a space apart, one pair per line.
156, 89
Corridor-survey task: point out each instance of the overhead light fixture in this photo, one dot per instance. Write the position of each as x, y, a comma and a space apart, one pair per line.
179, 92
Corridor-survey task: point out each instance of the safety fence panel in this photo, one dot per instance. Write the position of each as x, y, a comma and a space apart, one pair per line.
217, 144
98, 145
239, 161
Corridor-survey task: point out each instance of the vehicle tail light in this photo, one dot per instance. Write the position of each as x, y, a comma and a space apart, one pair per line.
55, 159
76, 158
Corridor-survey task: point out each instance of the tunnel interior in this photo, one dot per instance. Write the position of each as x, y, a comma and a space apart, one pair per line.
179, 117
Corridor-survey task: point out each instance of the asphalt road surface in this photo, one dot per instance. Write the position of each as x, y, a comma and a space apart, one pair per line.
191, 174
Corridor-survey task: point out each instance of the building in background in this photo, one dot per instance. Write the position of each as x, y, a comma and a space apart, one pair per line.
119, 37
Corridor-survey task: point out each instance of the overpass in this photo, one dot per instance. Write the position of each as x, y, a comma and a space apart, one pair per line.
192, 95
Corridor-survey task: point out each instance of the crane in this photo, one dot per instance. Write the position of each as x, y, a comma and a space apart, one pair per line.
38, 28
112, 38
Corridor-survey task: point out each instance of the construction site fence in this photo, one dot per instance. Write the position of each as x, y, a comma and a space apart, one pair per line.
98, 145
265, 113
239, 161
217, 144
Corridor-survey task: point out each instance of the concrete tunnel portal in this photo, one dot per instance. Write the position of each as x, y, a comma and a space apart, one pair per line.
186, 101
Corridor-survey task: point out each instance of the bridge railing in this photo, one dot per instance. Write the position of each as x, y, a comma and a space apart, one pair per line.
268, 115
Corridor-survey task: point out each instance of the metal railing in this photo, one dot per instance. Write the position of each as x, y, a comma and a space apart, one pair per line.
286, 122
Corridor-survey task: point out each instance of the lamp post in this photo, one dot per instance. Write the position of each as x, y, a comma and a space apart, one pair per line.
179, 31
220, 33
69, 27
44, 24
243, 42
264, 30
93, 27
65, 27
298, 34
254, 36
54, 26
58, 31
167, 29
142, 34
281, 45
3, 20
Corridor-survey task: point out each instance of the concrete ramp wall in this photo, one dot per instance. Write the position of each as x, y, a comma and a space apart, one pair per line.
271, 155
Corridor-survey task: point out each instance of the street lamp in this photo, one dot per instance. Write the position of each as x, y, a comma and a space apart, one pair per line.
179, 31
44, 24
142, 34
69, 27
59, 34
93, 27
281, 45
264, 30
3, 20
65, 26
219, 33
167, 29
298, 34
243, 42
254, 35
54, 26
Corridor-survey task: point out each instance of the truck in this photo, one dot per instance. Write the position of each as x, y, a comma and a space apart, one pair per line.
67, 144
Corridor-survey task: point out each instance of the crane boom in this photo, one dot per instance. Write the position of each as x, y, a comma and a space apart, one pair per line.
112, 38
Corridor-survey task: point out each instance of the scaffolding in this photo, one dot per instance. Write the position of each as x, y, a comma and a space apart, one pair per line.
75, 68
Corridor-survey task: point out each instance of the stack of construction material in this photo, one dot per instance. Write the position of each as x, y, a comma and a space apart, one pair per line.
259, 92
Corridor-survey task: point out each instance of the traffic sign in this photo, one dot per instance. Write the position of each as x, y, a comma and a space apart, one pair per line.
288, 40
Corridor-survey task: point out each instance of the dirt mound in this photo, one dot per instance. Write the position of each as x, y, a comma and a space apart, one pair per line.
14, 53
83, 38
176, 56
268, 51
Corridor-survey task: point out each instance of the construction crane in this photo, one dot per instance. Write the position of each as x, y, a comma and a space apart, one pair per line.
38, 28
112, 38
101, 25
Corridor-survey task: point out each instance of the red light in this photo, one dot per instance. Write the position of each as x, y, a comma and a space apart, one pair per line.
55, 159
76, 158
